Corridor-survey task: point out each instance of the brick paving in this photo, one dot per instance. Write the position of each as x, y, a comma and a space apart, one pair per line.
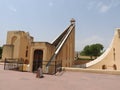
14, 80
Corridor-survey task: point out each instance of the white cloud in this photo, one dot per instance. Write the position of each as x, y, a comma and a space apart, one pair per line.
13, 9
103, 6
50, 4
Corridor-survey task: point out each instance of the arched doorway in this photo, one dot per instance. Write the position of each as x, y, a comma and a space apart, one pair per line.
37, 59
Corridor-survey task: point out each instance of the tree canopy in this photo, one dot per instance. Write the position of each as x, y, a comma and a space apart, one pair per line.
92, 50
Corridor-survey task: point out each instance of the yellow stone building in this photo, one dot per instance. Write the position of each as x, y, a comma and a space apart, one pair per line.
21, 45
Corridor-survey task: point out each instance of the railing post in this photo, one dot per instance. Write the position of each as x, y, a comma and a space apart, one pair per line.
22, 60
4, 63
55, 67
61, 63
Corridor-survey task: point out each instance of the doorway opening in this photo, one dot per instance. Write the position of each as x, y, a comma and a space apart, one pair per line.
37, 59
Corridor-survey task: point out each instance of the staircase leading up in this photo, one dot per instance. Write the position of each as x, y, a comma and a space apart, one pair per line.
59, 42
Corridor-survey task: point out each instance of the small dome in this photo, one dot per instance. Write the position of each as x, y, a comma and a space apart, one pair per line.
72, 21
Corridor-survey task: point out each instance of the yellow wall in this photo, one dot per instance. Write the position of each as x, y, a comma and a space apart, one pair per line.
47, 48
7, 51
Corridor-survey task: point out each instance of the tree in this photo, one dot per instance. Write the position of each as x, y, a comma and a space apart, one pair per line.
92, 50
86, 51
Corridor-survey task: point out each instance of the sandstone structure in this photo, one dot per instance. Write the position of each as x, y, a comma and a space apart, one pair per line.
21, 45
110, 59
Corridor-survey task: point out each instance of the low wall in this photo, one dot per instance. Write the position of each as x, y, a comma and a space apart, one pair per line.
114, 72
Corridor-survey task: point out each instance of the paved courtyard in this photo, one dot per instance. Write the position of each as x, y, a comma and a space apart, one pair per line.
13, 80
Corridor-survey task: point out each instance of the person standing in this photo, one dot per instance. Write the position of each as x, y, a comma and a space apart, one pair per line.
39, 73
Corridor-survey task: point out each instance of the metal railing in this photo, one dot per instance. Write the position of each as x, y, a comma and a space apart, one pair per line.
13, 64
53, 68
17, 64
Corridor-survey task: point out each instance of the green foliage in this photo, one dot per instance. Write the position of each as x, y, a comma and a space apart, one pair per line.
86, 51
92, 50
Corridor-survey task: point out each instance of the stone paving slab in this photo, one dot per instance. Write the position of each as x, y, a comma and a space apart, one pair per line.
14, 80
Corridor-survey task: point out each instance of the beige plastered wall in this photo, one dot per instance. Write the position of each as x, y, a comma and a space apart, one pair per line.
47, 48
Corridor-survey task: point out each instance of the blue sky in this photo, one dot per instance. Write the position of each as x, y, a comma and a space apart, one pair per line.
96, 20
